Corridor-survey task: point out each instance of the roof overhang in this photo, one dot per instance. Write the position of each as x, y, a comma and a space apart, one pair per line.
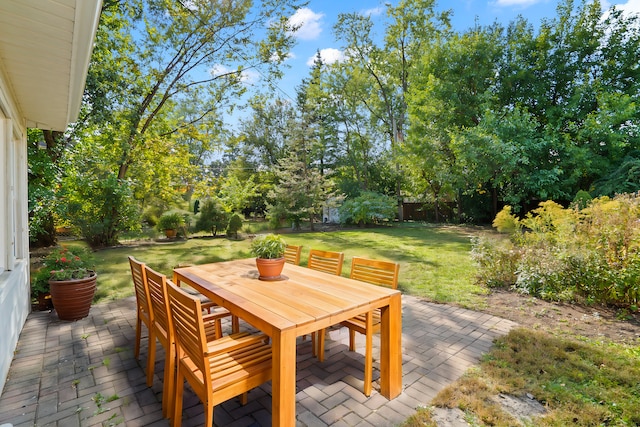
45, 49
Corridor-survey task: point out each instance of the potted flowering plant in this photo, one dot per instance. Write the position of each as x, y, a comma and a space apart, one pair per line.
71, 280
269, 251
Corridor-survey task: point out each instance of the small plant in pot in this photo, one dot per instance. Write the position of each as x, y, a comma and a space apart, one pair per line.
269, 251
170, 223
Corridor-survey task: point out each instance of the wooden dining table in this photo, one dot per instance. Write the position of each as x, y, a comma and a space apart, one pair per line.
301, 302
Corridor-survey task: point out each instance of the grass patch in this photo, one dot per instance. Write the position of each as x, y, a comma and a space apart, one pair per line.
435, 262
580, 383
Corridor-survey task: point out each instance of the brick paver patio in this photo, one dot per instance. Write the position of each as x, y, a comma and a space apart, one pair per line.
83, 373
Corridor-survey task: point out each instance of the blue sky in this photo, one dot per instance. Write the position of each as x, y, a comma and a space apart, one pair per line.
318, 18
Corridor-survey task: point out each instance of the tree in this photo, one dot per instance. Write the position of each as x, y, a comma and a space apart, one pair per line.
235, 224
212, 217
577, 80
300, 191
158, 57
452, 90
266, 135
389, 69
44, 178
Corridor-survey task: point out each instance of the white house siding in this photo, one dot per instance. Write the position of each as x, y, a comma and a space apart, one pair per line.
45, 48
14, 253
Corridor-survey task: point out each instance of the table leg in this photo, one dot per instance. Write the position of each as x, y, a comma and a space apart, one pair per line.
391, 348
284, 378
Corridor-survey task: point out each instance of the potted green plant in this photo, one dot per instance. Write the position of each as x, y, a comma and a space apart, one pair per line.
269, 251
71, 280
170, 222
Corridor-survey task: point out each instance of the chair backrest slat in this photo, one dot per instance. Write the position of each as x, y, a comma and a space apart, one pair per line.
140, 284
186, 316
326, 261
292, 254
383, 273
157, 284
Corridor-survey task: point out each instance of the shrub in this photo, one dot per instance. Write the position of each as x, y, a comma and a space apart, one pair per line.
101, 208
497, 260
368, 208
212, 217
581, 200
151, 215
235, 224
506, 222
170, 221
591, 254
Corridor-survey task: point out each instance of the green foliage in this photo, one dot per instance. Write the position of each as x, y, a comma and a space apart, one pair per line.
269, 246
591, 254
277, 213
44, 176
151, 215
100, 208
152, 111
301, 190
368, 208
581, 200
212, 217
170, 221
506, 222
235, 194
235, 224
497, 259
625, 178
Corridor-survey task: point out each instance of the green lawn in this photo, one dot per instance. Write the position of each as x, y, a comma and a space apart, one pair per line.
434, 261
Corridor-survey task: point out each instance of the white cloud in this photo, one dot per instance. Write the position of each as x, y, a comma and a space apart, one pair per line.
308, 22
218, 70
329, 56
247, 76
276, 58
376, 11
630, 7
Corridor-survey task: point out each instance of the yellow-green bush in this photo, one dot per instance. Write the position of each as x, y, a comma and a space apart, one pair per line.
592, 254
506, 222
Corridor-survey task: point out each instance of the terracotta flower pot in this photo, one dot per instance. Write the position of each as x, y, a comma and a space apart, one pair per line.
270, 269
72, 298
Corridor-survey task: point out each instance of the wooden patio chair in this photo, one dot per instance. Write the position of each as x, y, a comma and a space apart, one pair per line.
143, 312
163, 331
209, 306
382, 273
327, 262
216, 370
292, 254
